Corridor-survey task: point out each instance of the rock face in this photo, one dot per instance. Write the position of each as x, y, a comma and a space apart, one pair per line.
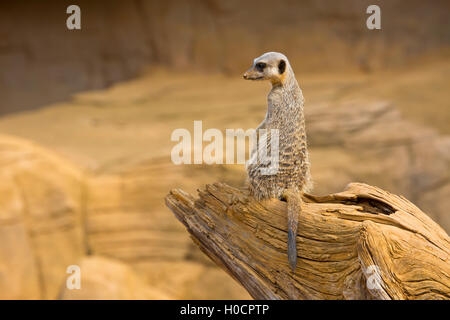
373, 142
113, 224
119, 39
53, 216
41, 228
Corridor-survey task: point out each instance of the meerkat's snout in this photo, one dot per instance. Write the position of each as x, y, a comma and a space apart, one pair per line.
256, 72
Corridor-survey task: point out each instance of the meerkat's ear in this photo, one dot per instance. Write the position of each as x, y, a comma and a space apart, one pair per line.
281, 66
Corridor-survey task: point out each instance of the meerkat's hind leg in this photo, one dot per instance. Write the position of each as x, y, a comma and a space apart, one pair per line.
294, 207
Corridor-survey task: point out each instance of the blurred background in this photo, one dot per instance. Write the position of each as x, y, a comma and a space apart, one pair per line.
86, 117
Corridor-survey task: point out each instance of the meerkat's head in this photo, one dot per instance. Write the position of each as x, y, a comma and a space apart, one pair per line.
271, 66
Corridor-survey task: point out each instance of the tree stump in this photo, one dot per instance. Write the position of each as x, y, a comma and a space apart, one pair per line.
362, 243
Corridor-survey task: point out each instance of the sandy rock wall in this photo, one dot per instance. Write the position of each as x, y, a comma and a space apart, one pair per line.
42, 62
373, 142
53, 216
41, 220
128, 245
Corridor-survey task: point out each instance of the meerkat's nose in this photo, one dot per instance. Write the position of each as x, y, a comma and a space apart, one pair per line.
245, 75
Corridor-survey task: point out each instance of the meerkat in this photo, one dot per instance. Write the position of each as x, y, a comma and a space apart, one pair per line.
285, 114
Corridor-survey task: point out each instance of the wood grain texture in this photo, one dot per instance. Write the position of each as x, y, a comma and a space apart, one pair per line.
362, 243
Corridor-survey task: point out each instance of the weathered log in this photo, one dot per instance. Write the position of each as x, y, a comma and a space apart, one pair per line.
362, 243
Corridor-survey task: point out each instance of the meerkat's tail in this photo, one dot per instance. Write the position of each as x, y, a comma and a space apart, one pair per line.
294, 202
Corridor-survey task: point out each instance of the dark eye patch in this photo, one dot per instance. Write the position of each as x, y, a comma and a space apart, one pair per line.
260, 66
281, 66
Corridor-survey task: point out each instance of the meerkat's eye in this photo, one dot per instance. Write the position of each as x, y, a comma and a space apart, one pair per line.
260, 66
